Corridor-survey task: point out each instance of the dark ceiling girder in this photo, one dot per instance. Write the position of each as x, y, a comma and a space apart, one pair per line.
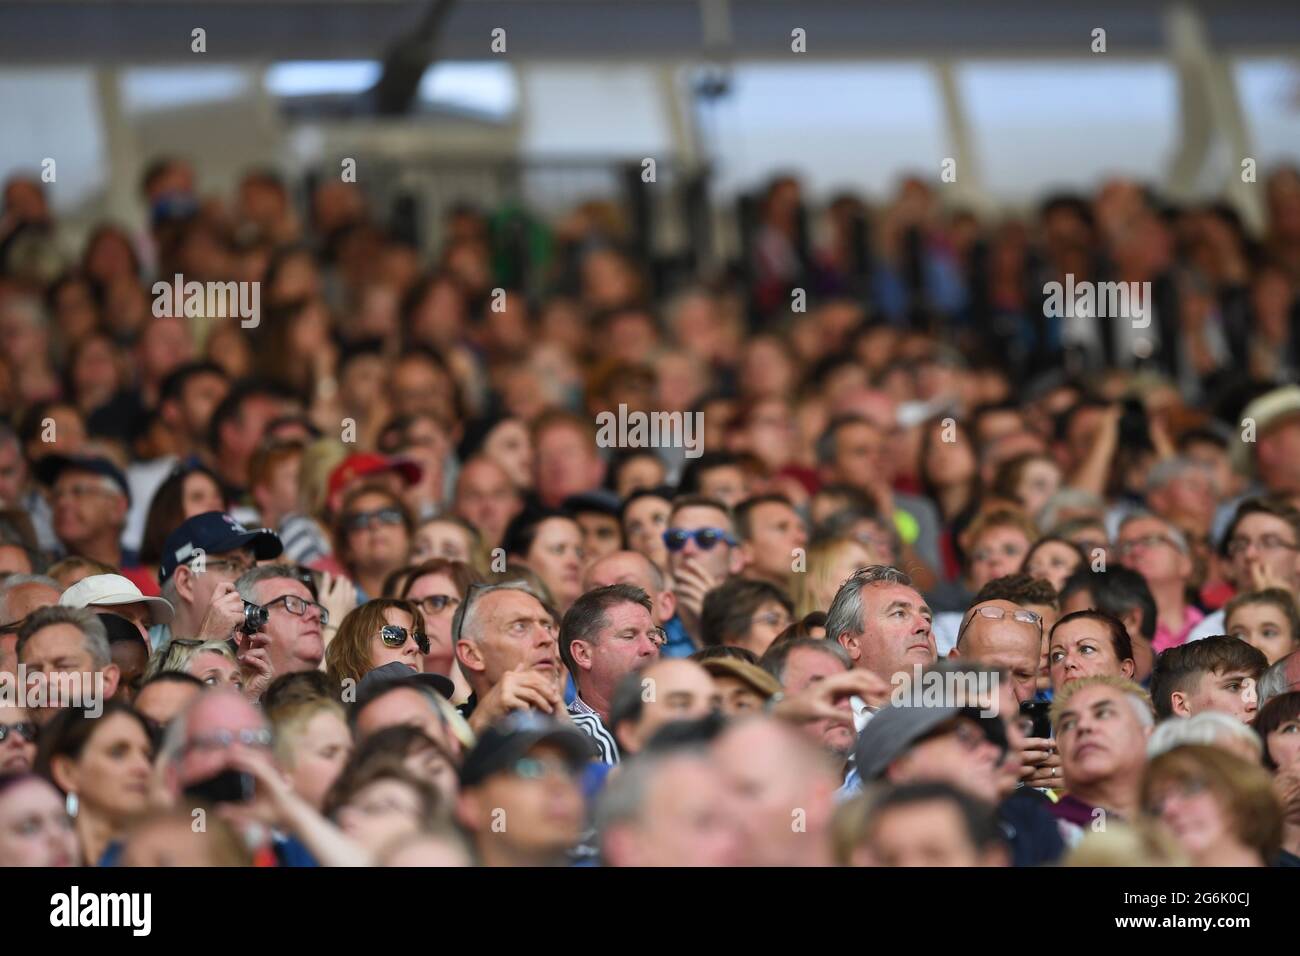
53, 31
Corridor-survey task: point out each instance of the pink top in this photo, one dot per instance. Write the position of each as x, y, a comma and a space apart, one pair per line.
1166, 638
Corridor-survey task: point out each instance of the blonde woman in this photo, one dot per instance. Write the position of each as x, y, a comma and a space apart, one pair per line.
212, 662
831, 562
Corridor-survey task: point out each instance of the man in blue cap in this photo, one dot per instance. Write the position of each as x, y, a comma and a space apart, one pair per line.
201, 561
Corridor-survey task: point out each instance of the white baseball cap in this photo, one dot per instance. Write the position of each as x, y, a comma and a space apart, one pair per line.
106, 590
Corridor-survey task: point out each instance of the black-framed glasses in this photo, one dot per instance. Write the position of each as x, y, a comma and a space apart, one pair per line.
298, 607
994, 613
24, 729
707, 538
1268, 542
432, 604
394, 635
361, 520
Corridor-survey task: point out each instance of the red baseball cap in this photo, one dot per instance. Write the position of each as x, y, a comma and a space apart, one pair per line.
364, 464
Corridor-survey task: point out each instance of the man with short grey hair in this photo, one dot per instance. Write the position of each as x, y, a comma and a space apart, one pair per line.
67, 648
667, 810
607, 634
884, 625
505, 643
292, 639
20, 594
1280, 678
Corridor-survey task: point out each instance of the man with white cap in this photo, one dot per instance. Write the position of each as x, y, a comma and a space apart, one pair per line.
115, 594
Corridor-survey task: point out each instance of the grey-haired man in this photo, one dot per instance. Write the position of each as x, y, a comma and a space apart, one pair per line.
506, 646
883, 623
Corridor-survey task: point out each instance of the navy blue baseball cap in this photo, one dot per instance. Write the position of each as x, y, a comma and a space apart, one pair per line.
215, 532
50, 467
513, 736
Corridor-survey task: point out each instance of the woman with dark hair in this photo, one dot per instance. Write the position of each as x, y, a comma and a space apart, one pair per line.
1278, 726
379, 632
378, 801
35, 829
109, 255
102, 765
949, 474
188, 491
1053, 559
549, 542
425, 757
437, 587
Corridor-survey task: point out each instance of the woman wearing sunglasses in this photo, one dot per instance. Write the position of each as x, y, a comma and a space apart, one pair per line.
378, 632
372, 536
17, 739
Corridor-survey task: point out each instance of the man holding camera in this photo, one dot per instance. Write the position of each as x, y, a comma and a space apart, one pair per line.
285, 621
201, 561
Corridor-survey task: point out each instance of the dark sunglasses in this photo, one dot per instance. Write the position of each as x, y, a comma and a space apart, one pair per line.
361, 520
24, 729
395, 636
675, 538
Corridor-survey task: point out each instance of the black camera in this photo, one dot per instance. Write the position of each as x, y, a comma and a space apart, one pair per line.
254, 618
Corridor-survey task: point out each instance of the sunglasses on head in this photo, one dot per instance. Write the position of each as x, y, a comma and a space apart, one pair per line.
675, 538
361, 520
395, 636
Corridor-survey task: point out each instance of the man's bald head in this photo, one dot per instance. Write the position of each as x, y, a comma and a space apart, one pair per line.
1003, 642
632, 567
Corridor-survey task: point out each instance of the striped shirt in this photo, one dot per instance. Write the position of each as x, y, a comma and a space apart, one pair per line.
591, 724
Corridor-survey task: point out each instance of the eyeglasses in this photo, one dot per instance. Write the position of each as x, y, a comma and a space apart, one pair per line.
533, 768
231, 564
969, 736
1123, 548
1269, 542
24, 729
80, 490
395, 636
221, 739
1183, 788
707, 538
772, 619
361, 520
298, 607
437, 603
994, 613
1007, 551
